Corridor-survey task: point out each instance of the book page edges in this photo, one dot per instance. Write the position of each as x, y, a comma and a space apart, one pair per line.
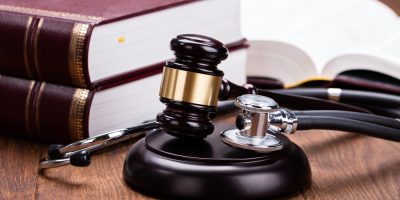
279, 60
377, 62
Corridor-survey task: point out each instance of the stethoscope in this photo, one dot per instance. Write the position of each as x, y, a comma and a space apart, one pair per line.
191, 87
260, 120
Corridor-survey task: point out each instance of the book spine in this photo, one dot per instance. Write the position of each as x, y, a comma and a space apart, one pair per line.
43, 111
44, 48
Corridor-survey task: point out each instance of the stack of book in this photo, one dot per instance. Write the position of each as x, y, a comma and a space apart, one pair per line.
74, 69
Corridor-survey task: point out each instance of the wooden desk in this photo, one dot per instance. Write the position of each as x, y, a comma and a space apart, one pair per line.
344, 166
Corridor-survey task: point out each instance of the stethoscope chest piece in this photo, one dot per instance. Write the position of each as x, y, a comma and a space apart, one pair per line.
266, 144
258, 123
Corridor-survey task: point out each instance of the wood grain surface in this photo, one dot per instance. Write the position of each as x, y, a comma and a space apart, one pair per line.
18, 168
344, 166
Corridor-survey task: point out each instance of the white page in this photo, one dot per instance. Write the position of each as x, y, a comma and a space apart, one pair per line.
258, 13
363, 25
271, 18
391, 47
385, 58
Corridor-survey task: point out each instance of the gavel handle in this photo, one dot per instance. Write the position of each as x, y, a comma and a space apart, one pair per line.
229, 91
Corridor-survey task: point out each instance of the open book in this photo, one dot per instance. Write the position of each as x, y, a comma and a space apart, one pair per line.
299, 41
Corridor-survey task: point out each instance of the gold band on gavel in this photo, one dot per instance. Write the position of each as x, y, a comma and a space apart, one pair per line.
190, 87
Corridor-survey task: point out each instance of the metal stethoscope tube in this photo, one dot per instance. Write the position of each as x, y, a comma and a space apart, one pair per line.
78, 153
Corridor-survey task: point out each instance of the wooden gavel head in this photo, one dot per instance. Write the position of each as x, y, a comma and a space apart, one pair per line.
190, 86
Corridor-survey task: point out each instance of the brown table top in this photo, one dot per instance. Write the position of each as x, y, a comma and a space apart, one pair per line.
344, 166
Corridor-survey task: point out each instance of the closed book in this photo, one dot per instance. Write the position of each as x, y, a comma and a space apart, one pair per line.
60, 114
90, 43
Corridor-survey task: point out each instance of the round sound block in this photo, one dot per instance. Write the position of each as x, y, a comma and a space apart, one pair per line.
168, 167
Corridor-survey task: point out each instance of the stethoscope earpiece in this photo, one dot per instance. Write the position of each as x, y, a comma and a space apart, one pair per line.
80, 159
53, 151
77, 159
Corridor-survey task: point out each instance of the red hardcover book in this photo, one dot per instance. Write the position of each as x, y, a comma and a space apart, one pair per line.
60, 114
88, 43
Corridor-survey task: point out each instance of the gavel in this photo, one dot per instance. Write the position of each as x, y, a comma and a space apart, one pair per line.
192, 85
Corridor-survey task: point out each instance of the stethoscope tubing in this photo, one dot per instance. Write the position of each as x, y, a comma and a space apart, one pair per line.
369, 118
347, 96
306, 122
393, 112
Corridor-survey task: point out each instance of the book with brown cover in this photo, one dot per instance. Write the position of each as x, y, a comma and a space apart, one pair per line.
46, 112
49, 40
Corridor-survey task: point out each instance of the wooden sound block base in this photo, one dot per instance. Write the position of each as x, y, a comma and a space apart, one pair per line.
168, 167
